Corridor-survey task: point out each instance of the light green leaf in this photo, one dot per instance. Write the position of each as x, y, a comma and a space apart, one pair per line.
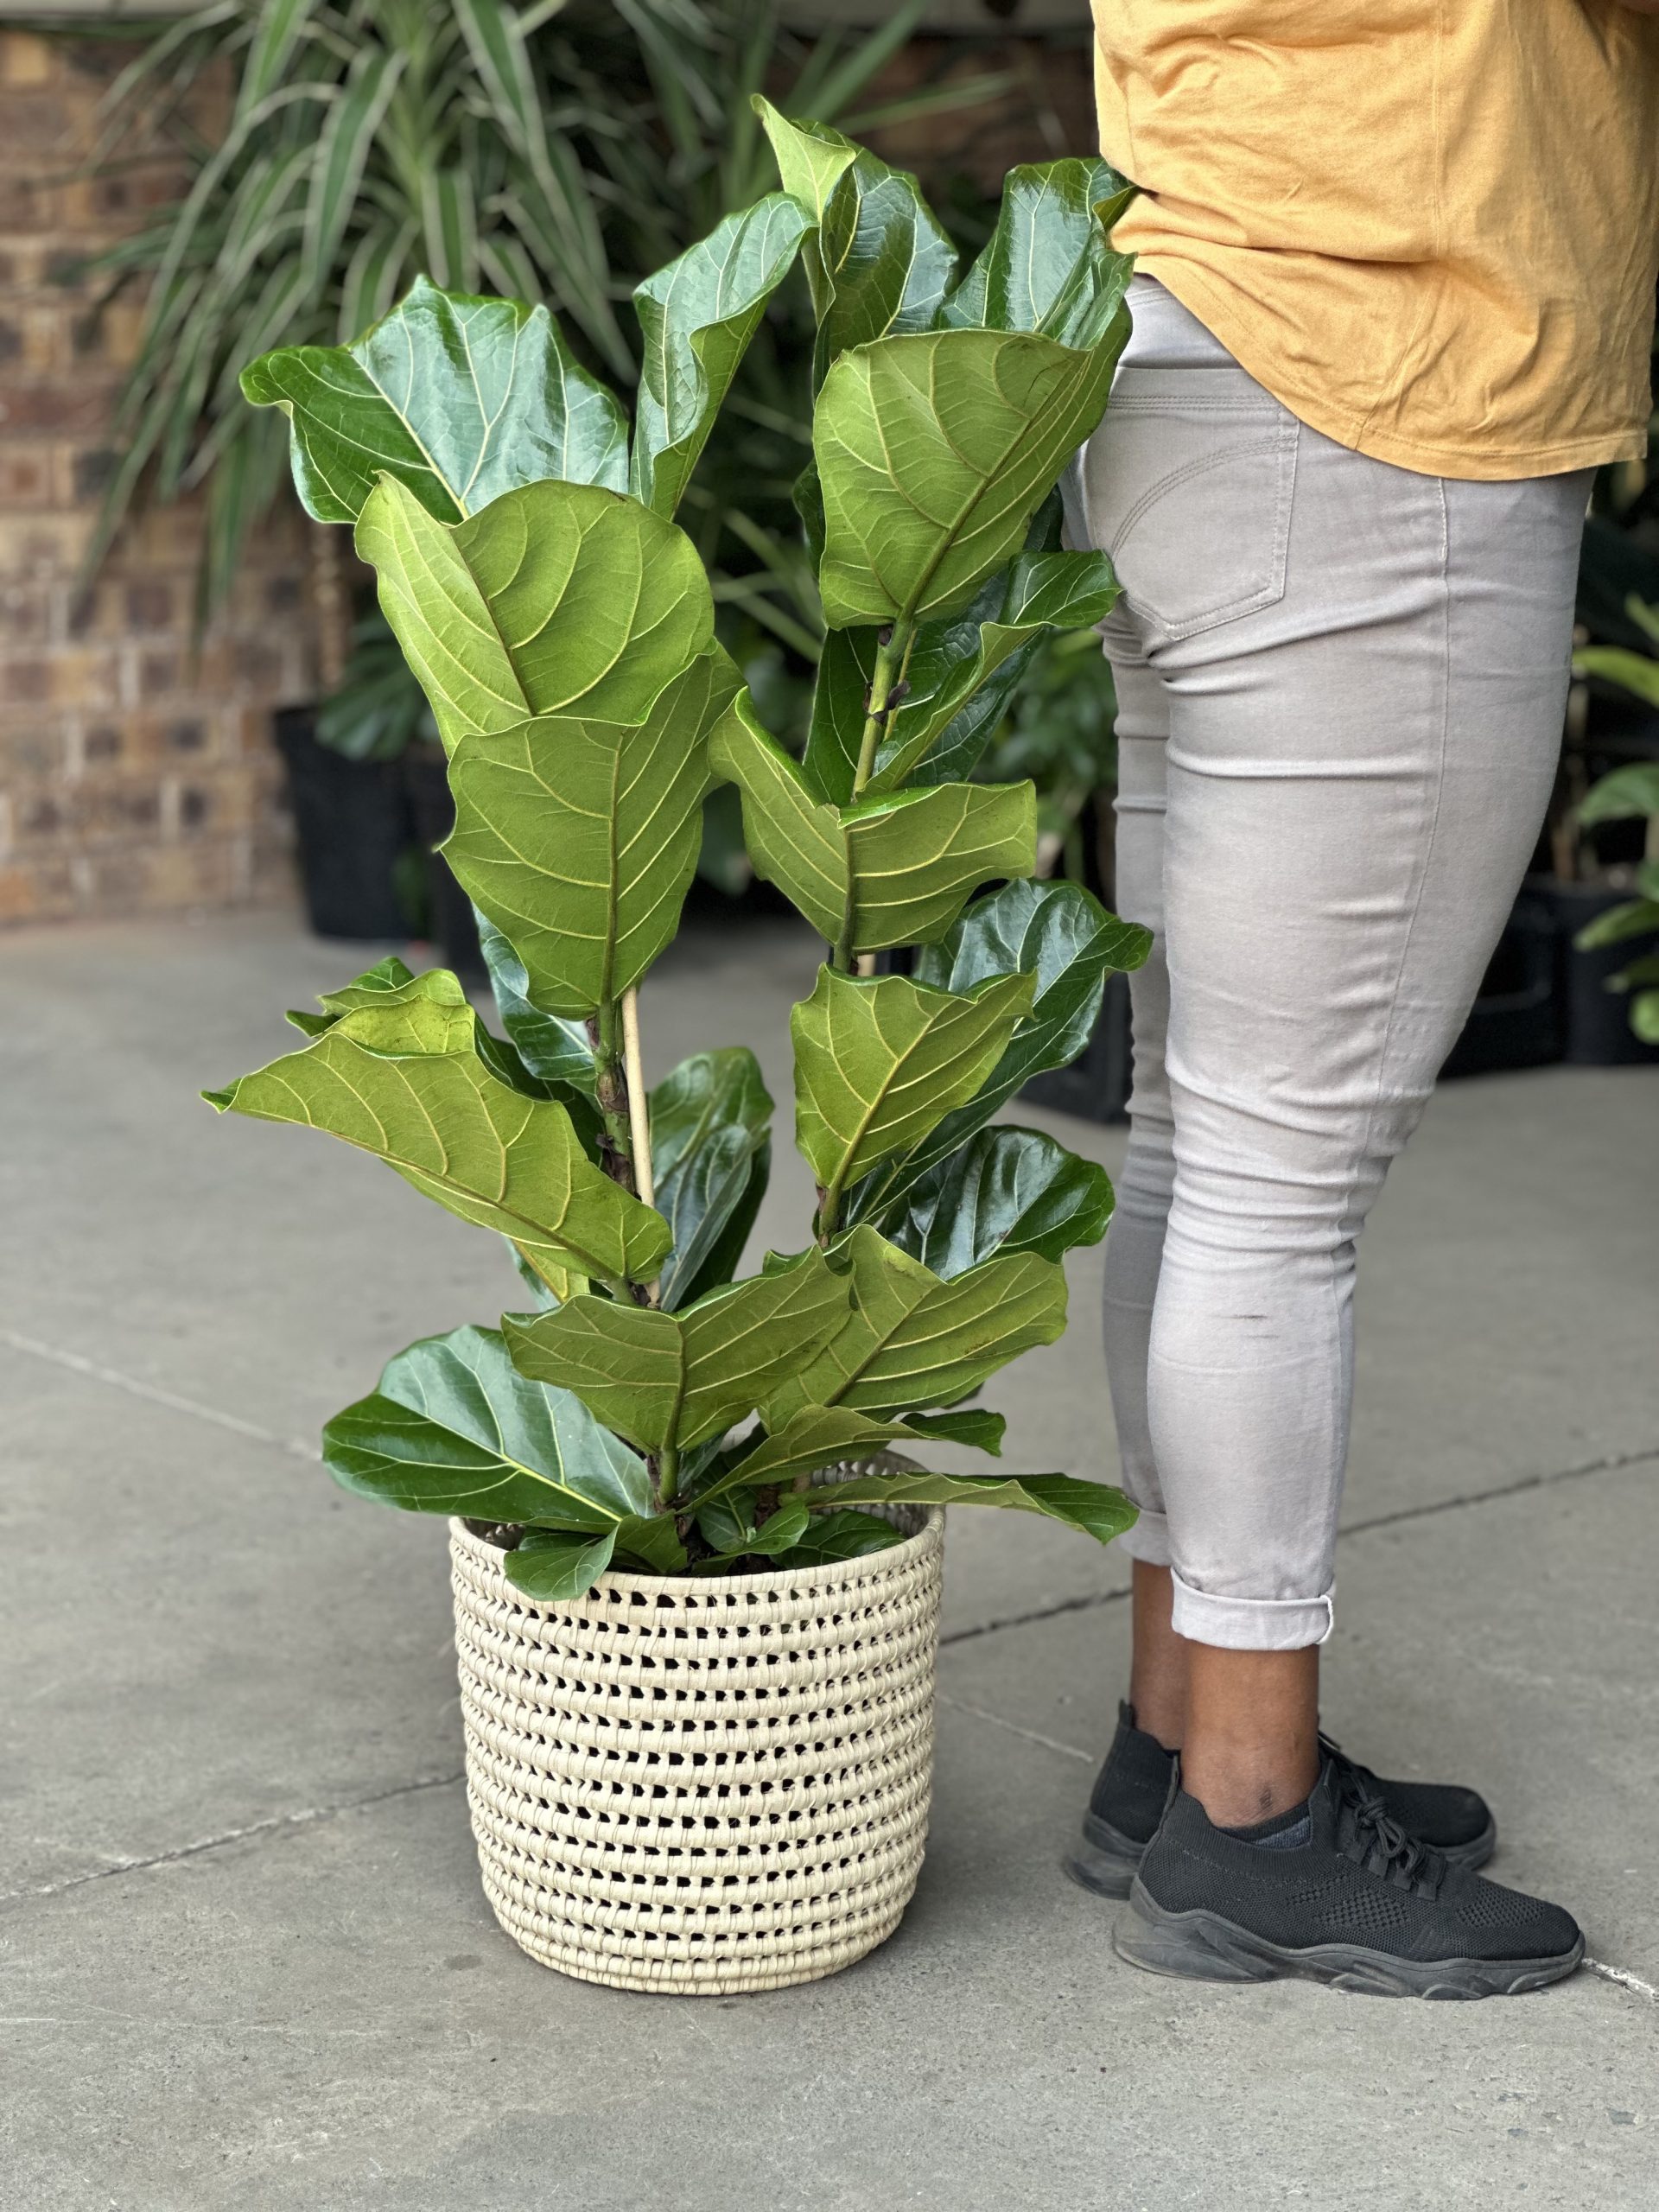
879, 1063
1645, 1016
670, 1381
887, 871
458, 399
454, 1429
811, 157
710, 1146
1048, 266
934, 451
577, 838
1633, 917
405, 1078
556, 599
911, 1339
880, 260
1099, 1511
979, 655
1632, 672
1006, 1190
697, 316
1631, 791
1066, 941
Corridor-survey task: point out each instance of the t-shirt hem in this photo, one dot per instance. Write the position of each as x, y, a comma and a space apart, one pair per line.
1215, 309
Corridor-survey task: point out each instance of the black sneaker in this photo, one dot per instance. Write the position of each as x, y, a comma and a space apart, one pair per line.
1128, 1802
1352, 1901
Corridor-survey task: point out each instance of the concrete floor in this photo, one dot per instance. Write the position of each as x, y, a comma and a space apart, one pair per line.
246, 1962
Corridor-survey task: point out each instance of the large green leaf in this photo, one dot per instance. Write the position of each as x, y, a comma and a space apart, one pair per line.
1066, 941
911, 1339
878, 1064
880, 260
578, 838
808, 1439
557, 599
669, 1381
458, 399
697, 316
978, 655
838, 1535
405, 1077
454, 1429
1006, 1190
885, 871
1614, 925
1099, 1511
1048, 266
934, 451
711, 1154
551, 1046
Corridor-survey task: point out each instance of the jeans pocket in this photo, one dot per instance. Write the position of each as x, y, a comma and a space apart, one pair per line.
1189, 491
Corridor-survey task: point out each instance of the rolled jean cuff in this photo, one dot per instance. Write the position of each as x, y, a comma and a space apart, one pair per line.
1249, 1624
1147, 1538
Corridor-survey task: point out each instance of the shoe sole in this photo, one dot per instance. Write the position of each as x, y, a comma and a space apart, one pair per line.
1106, 1861
1202, 1947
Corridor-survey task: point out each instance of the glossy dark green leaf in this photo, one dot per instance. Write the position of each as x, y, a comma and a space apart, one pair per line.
710, 1121
804, 1442
553, 1564
838, 1535
457, 398
730, 1527
911, 1339
454, 1429
697, 316
1047, 265
403, 1077
557, 599
887, 871
669, 1381
1064, 939
578, 838
879, 1063
1006, 1190
1095, 1509
880, 260
970, 1425
551, 1046
978, 655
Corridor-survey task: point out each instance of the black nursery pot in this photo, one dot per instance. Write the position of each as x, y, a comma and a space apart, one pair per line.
1596, 1022
1516, 1021
351, 820
453, 924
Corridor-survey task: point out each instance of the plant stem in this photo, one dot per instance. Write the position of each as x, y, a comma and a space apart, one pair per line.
887, 689
639, 1102
611, 1089
668, 1475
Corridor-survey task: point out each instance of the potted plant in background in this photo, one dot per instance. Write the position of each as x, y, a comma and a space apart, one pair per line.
1628, 794
696, 1596
552, 153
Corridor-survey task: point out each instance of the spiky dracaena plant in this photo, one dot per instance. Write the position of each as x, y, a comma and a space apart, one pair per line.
655, 1412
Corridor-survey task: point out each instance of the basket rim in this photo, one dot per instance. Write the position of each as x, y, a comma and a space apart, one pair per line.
893, 1557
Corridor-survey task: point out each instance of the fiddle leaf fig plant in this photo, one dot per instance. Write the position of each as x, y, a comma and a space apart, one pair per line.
653, 1408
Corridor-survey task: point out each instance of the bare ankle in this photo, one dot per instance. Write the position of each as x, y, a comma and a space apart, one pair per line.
1158, 1673
1252, 1748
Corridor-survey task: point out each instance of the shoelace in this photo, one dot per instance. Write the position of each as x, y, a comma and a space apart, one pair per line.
1376, 1840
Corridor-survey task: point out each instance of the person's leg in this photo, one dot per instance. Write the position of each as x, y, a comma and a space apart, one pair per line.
1356, 780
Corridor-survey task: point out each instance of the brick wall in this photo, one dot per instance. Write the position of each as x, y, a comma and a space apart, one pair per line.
137, 773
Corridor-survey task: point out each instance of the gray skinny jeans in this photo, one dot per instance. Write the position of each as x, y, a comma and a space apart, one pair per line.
1340, 690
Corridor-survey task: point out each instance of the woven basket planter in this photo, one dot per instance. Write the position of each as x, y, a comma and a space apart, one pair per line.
702, 1785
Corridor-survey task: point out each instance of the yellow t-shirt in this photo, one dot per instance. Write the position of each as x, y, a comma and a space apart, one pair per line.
1430, 227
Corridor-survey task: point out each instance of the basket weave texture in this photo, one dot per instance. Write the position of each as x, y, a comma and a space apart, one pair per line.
702, 1785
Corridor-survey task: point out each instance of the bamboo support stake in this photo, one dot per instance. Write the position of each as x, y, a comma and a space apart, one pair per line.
638, 1104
